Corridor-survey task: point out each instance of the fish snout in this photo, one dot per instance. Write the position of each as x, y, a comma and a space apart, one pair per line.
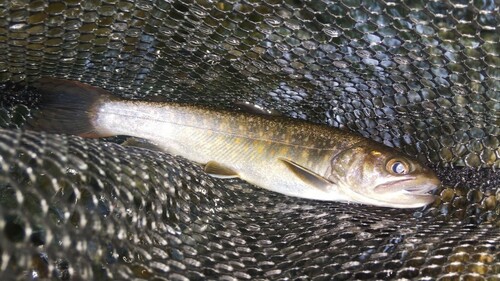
422, 189
408, 192
424, 184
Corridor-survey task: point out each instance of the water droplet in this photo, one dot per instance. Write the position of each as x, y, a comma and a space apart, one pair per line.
211, 58
273, 21
18, 26
332, 32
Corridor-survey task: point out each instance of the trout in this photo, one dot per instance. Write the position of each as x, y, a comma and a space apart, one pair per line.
287, 156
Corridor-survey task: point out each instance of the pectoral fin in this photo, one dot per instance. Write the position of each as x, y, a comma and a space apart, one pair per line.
219, 171
307, 175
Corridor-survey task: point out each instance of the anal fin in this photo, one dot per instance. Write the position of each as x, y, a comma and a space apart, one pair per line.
142, 143
219, 171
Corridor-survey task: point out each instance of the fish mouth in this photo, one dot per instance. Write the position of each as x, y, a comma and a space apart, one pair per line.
420, 190
403, 192
395, 185
410, 192
410, 185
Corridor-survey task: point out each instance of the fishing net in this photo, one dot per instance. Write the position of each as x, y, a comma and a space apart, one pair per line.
422, 76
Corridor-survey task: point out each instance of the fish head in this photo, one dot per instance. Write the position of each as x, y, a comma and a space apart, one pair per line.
378, 175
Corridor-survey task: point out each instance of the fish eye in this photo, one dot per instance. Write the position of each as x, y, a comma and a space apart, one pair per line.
398, 167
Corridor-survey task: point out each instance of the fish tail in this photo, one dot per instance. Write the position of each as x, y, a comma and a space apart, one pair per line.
67, 107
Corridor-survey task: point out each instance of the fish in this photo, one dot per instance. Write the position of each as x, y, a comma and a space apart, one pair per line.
285, 155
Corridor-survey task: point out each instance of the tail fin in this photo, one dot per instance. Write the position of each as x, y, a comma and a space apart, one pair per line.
67, 107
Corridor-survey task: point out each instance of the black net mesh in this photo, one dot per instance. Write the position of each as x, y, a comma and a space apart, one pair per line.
419, 75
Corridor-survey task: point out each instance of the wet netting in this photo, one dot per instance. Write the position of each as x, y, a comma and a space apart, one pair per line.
422, 76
